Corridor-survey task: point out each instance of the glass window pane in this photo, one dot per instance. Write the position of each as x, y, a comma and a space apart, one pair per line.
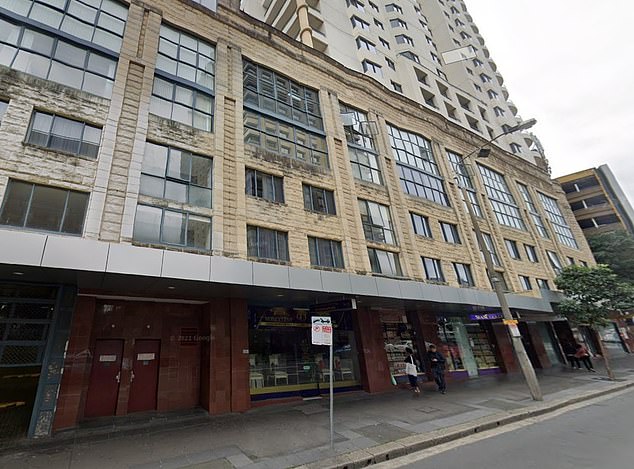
16, 203
75, 213
176, 191
66, 75
173, 227
152, 186
199, 232
201, 171
199, 196
147, 224
47, 208
179, 166
155, 159
70, 54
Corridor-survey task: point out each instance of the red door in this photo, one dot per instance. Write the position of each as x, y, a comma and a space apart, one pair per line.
145, 367
104, 379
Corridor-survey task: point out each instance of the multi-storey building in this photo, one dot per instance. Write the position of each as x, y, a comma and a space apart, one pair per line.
182, 187
428, 50
597, 201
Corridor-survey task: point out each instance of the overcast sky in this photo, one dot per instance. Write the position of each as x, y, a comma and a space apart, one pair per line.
569, 64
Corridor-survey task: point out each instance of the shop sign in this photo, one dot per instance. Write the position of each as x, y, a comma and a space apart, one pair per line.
485, 316
333, 306
321, 330
283, 317
510, 322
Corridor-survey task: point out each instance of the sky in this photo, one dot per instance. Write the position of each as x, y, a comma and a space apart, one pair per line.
570, 65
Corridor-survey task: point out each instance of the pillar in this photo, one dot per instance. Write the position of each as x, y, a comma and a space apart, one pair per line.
538, 345
375, 370
505, 352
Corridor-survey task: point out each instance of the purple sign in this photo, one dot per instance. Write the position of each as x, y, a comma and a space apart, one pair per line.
485, 316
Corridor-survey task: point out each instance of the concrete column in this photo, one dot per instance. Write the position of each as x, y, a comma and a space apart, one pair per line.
505, 353
538, 345
375, 370
305, 31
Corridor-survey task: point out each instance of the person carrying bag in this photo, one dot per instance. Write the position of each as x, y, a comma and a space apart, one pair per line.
412, 370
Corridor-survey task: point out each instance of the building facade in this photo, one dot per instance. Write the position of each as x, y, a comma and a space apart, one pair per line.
597, 201
431, 51
182, 186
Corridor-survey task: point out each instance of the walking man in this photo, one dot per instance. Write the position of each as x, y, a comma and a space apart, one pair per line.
437, 367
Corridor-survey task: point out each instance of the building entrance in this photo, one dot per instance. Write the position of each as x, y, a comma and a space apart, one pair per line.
144, 375
105, 377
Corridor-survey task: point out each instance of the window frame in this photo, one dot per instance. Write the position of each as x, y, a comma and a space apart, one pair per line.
437, 267
311, 205
187, 214
392, 257
277, 198
335, 257
531, 253
559, 223
525, 282
373, 227
512, 249
278, 234
466, 269
501, 199
424, 224
452, 228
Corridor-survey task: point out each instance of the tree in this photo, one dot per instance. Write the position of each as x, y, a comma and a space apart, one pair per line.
616, 249
592, 294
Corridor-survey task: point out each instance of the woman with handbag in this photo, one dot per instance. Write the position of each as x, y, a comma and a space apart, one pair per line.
412, 370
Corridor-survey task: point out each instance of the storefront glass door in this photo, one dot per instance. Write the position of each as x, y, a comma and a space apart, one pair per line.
481, 347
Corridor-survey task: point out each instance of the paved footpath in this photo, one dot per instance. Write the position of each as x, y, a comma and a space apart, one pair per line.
282, 436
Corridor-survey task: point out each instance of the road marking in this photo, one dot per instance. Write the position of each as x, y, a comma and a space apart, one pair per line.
429, 452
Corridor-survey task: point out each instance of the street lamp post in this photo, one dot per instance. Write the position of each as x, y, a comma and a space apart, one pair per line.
525, 365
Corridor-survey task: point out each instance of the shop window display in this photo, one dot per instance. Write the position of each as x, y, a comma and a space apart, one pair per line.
450, 347
480, 341
398, 335
283, 361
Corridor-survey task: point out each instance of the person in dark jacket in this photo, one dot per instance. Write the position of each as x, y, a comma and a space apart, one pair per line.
437, 361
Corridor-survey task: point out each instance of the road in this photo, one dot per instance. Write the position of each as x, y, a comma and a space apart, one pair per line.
600, 435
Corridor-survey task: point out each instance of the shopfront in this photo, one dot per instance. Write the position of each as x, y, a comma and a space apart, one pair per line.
284, 363
399, 335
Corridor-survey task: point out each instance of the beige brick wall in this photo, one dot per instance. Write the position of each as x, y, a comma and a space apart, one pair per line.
114, 179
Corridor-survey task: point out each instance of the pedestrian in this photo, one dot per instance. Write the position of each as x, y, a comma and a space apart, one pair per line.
570, 351
437, 367
583, 355
412, 370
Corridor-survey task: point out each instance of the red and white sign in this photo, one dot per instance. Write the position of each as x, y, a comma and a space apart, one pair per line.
322, 330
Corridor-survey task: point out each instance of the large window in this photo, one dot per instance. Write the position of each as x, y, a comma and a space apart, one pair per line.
377, 224
282, 117
502, 201
184, 79
267, 244
44, 208
166, 226
450, 232
173, 174
384, 262
560, 225
555, 262
488, 241
532, 209
60, 133
361, 148
433, 269
319, 200
265, 186
421, 225
463, 274
325, 252
511, 247
417, 167
59, 59
531, 253
526, 282
464, 180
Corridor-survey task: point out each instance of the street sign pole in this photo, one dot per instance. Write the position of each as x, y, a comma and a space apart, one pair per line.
322, 332
332, 421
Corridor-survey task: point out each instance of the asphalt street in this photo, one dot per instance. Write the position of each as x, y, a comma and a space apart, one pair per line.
600, 435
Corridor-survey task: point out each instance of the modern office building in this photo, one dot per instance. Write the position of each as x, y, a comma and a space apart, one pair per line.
598, 201
182, 186
431, 51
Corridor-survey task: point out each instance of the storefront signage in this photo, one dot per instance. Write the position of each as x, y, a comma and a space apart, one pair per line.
332, 306
321, 330
107, 358
283, 317
485, 316
510, 322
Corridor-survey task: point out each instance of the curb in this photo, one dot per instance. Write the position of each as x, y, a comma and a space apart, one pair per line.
401, 447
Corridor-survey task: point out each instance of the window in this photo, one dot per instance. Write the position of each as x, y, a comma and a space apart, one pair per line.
418, 171
363, 156
560, 225
356, 4
392, 7
282, 117
398, 23
376, 221
477, 62
45, 208
374, 7
411, 56
571, 260
359, 23
464, 180
173, 174
526, 283
371, 67
584, 263
542, 284
379, 25
555, 263
267, 244
532, 209
450, 232
46, 56
498, 111
390, 64
319, 200
430, 41
441, 74
463, 274
184, 79
477, 87
485, 78
511, 247
384, 262
502, 201
404, 39
62, 134
384, 43
325, 252
531, 253
515, 148
265, 186
3, 108
398, 88
365, 165
421, 225
488, 241
211, 4
500, 278
167, 226
469, 71
492, 94
433, 269
421, 76
363, 43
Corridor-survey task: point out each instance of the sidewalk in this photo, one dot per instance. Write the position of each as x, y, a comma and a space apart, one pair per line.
290, 435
